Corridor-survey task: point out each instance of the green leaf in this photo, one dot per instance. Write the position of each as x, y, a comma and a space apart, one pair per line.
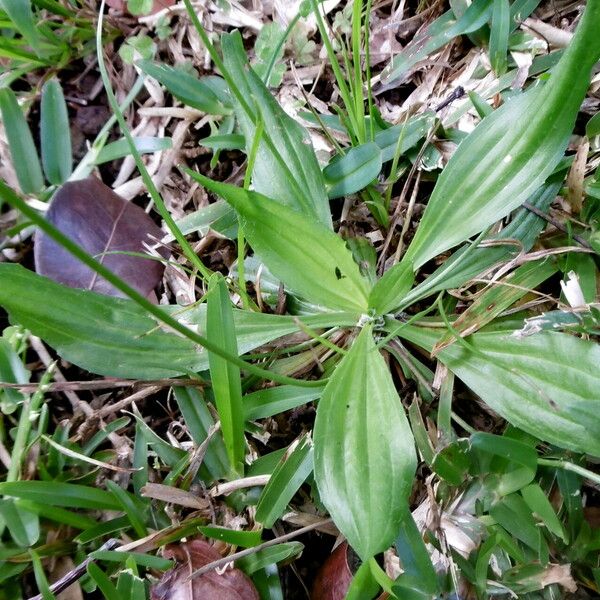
510, 153
185, 87
198, 420
499, 32
12, 370
467, 262
21, 16
244, 539
406, 135
364, 454
120, 148
103, 582
353, 171
592, 128
288, 476
23, 525
540, 506
306, 256
60, 494
225, 377
115, 337
436, 35
252, 563
545, 384
274, 400
285, 167
20, 142
497, 298
55, 134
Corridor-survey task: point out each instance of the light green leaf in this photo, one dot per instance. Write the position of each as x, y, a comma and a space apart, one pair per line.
23, 525
285, 167
253, 562
545, 384
364, 453
20, 142
353, 171
305, 255
114, 337
225, 377
499, 32
510, 153
405, 135
56, 493
274, 400
288, 476
191, 90
55, 134
21, 16
120, 148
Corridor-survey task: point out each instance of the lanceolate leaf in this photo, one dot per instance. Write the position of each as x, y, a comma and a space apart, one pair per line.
102, 223
55, 134
20, 141
114, 337
291, 175
225, 377
510, 153
305, 255
546, 384
364, 452
353, 171
185, 87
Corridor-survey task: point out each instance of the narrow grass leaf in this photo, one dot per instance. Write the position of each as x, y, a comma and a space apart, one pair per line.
468, 262
198, 420
254, 562
510, 153
353, 171
436, 35
55, 134
185, 87
21, 16
225, 377
129, 507
497, 298
60, 494
404, 136
286, 166
23, 525
103, 582
364, 453
288, 476
545, 384
499, 32
120, 148
306, 256
274, 400
20, 142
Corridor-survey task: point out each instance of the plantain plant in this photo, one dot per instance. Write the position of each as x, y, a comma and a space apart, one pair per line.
362, 454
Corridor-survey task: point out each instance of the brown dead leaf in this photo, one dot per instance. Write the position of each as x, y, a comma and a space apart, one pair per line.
334, 577
576, 176
232, 584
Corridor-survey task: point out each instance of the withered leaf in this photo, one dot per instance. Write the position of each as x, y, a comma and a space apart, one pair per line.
334, 577
101, 222
233, 584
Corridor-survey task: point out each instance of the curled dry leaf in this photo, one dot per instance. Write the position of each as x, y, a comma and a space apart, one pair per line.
232, 584
101, 222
